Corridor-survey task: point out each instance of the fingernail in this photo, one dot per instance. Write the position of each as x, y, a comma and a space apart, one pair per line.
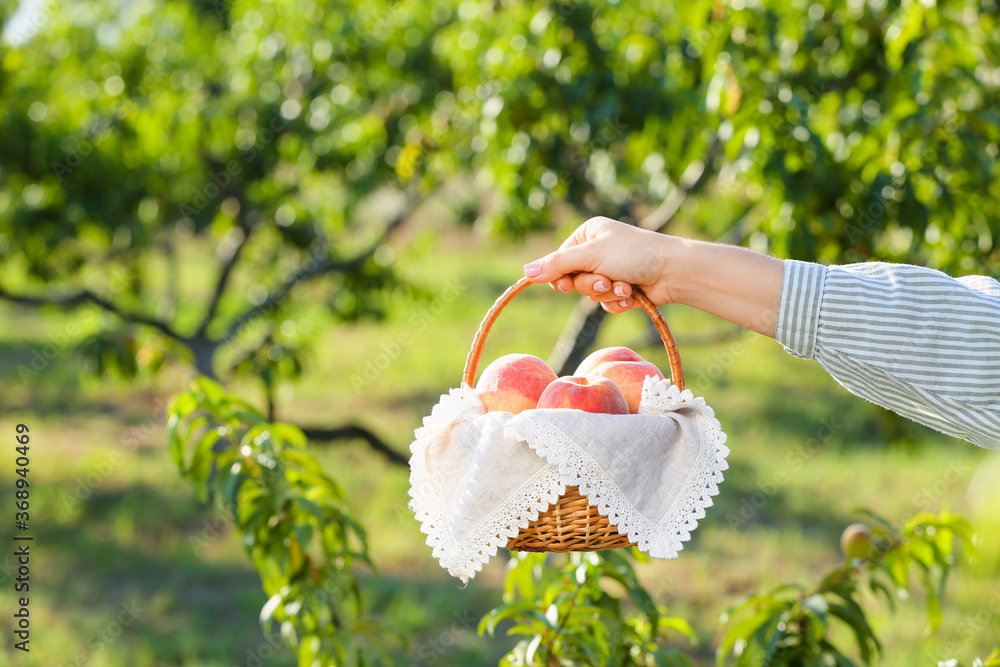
561, 288
623, 303
533, 269
599, 286
620, 291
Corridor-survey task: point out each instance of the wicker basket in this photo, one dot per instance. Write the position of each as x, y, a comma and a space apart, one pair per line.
570, 523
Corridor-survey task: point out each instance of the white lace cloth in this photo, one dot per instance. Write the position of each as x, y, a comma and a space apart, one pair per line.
478, 478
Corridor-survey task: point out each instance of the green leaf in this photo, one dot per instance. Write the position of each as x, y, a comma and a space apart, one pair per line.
679, 625
897, 563
934, 612
878, 586
886, 524
746, 629
906, 26
267, 611
851, 614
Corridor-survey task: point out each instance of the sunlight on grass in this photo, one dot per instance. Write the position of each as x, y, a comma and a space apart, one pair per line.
116, 525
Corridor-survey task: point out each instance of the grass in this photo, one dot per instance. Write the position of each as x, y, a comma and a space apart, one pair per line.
129, 569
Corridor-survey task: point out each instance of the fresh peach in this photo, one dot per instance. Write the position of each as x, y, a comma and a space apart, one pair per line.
623, 367
857, 541
605, 355
593, 394
628, 376
513, 383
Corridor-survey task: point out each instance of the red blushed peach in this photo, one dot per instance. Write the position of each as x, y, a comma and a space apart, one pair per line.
629, 376
605, 355
513, 383
594, 394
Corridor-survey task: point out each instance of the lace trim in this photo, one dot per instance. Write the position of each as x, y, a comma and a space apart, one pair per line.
464, 558
662, 396
456, 406
663, 540
567, 465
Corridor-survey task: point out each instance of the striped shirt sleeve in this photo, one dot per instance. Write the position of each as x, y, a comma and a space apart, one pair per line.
907, 338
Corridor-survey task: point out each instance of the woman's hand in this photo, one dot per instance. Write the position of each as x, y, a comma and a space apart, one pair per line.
603, 259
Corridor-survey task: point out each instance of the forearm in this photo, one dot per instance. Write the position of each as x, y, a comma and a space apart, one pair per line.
734, 283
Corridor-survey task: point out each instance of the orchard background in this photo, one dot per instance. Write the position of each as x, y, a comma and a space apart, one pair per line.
313, 203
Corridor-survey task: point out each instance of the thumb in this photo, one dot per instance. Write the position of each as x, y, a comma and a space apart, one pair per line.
571, 259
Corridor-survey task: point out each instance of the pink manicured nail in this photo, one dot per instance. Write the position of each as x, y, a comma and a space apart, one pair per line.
599, 286
533, 269
620, 291
623, 303
561, 288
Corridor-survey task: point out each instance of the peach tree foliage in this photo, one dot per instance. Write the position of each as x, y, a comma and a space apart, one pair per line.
588, 608
827, 130
564, 608
238, 137
839, 130
584, 609
292, 519
790, 624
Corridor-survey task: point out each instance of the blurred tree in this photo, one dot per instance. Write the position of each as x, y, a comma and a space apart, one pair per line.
829, 131
132, 134
835, 131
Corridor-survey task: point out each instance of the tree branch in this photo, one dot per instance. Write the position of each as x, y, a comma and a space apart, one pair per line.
578, 170
578, 334
317, 266
353, 431
228, 263
580, 331
87, 296
693, 179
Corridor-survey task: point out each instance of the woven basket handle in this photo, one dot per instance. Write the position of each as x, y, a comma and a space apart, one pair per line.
476, 352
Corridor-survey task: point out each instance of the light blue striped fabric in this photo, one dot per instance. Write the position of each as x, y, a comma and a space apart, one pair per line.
910, 339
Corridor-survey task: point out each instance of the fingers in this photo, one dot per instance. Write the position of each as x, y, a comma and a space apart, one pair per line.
563, 284
562, 262
618, 306
614, 295
599, 288
576, 254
